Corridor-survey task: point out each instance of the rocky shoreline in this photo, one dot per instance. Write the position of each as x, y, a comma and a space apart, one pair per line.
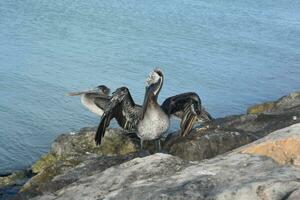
251, 156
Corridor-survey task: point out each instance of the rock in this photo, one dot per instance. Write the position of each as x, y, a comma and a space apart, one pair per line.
286, 113
10, 184
261, 108
92, 164
294, 195
213, 142
71, 152
13, 178
283, 146
225, 134
47, 160
115, 142
286, 102
36, 184
240, 174
61, 175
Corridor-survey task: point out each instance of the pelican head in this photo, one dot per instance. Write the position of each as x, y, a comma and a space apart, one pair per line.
155, 80
102, 89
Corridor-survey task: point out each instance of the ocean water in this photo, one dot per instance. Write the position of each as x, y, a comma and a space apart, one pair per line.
232, 53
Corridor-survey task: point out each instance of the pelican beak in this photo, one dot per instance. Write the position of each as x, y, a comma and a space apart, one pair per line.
148, 94
82, 92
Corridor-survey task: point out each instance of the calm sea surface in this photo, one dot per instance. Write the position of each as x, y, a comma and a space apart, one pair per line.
233, 53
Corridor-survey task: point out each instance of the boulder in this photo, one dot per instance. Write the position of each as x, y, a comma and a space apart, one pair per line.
14, 178
60, 175
212, 142
225, 134
11, 183
240, 174
283, 146
282, 104
72, 154
115, 142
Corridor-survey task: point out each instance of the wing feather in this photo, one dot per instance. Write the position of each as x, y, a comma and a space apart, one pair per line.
188, 105
180, 102
114, 106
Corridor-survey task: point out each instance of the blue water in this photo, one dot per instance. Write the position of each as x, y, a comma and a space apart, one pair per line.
233, 53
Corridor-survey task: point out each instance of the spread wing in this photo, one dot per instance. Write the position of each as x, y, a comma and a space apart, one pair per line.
122, 108
187, 106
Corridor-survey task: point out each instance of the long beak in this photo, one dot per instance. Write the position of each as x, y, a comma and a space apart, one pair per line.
148, 94
80, 93
187, 122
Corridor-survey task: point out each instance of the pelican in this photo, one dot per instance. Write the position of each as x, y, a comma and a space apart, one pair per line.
94, 99
151, 120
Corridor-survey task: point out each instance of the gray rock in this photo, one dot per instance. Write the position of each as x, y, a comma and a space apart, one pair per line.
92, 164
75, 155
241, 174
199, 146
225, 134
47, 181
115, 142
281, 105
11, 183
293, 195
